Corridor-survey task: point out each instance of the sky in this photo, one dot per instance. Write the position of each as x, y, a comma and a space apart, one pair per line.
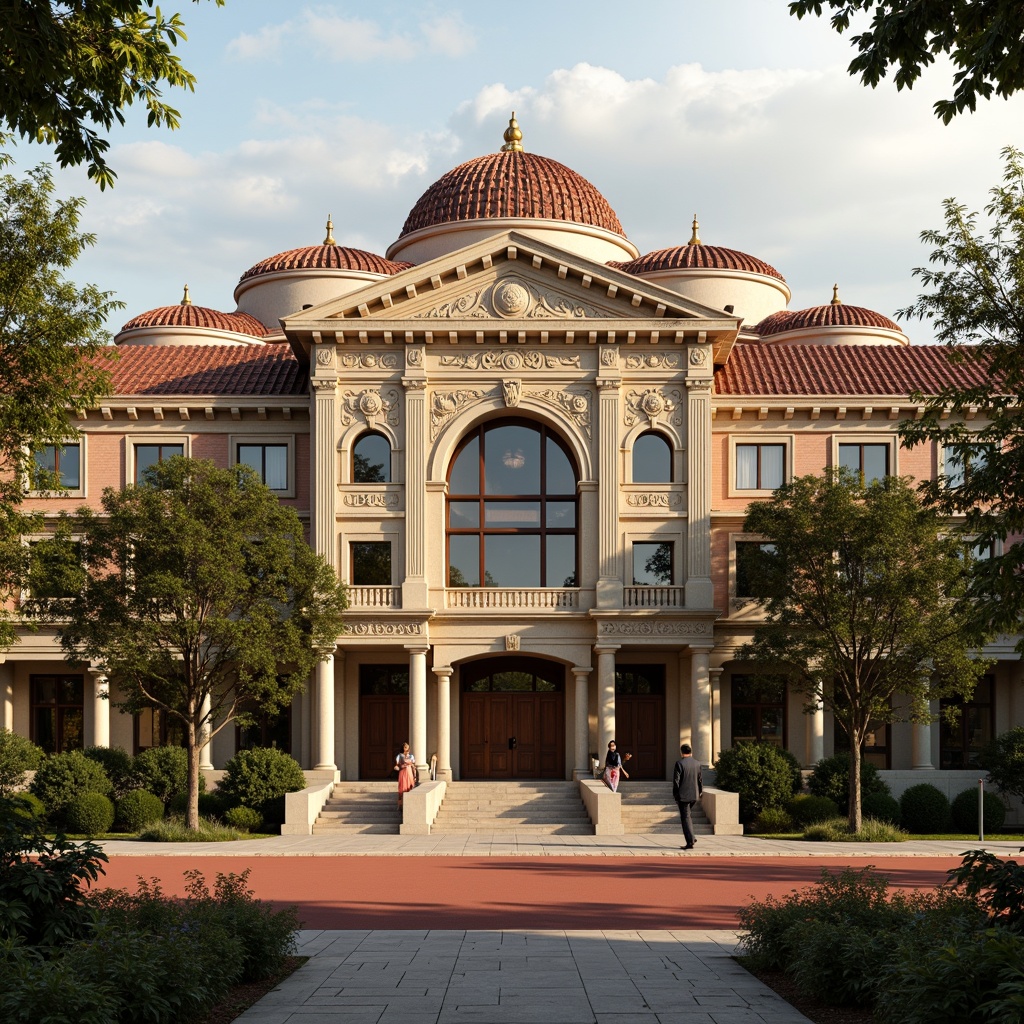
731, 110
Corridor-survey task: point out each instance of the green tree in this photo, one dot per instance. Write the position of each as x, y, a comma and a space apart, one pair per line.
976, 303
983, 38
199, 595
67, 65
861, 598
51, 333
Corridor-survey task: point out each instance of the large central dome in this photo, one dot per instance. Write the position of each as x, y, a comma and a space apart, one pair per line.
485, 194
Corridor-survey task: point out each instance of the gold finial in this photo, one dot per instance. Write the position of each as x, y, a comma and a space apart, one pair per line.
186, 299
513, 136
329, 240
836, 301
695, 238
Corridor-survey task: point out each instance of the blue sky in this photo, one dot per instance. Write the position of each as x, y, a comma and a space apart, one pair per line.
732, 109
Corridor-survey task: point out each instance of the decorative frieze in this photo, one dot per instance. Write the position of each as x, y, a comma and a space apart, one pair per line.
574, 401
654, 404
509, 361
445, 404
511, 298
646, 499
384, 629
324, 355
368, 361
653, 627
652, 361
371, 404
364, 499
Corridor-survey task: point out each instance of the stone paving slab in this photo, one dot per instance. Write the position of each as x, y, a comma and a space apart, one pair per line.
520, 977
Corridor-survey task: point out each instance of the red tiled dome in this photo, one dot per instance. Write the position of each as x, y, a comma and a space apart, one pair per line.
326, 257
516, 185
187, 315
699, 256
833, 315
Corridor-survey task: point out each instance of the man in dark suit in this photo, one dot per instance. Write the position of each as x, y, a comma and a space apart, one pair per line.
687, 787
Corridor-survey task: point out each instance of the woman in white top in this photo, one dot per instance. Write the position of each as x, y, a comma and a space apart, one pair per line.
405, 765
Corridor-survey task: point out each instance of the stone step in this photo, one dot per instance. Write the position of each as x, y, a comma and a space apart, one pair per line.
354, 828
533, 830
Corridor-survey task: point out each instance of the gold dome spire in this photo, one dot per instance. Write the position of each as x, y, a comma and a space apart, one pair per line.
836, 301
329, 240
186, 299
513, 136
695, 237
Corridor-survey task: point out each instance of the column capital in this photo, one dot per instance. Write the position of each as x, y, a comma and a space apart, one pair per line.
417, 648
443, 671
581, 670
607, 648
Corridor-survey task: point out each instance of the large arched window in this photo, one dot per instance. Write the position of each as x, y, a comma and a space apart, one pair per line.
512, 509
371, 460
652, 459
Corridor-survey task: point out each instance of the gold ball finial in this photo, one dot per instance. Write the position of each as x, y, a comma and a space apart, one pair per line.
186, 299
836, 301
329, 240
695, 237
513, 136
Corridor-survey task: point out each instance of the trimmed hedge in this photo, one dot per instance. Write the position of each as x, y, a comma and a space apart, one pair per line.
245, 819
881, 807
763, 774
831, 778
255, 778
90, 814
137, 809
924, 810
17, 756
119, 766
964, 811
61, 778
164, 772
809, 810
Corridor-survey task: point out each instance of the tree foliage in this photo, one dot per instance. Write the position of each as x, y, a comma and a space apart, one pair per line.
66, 67
976, 302
983, 38
862, 599
198, 594
50, 334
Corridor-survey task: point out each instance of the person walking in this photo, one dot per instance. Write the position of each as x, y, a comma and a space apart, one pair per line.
405, 765
613, 767
687, 787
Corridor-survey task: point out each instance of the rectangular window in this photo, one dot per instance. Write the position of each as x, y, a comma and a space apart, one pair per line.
57, 712
876, 744
962, 740
59, 465
371, 563
745, 552
652, 564
154, 727
868, 462
959, 463
147, 455
269, 461
760, 467
758, 710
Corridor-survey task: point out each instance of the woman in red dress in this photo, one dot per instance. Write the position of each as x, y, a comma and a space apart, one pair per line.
405, 765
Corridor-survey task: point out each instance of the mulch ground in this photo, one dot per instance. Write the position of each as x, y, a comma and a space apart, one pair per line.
810, 1008
241, 997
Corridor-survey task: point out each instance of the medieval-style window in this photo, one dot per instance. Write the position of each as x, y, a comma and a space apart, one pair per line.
652, 459
371, 460
512, 509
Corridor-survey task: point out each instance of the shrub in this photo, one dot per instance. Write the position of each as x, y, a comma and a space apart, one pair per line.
62, 777
881, 807
831, 778
211, 805
256, 777
996, 885
164, 772
119, 766
137, 809
763, 774
1003, 759
90, 814
27, 805
245, 819
807, 810
924, 810
838, 831
173, 830
964, 811
32, 982
840, 966
773, 820
17, 756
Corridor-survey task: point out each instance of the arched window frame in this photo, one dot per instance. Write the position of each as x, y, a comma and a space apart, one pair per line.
364, 436
669, 452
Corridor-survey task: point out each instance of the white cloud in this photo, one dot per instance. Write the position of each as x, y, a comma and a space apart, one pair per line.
448, 35
264, 44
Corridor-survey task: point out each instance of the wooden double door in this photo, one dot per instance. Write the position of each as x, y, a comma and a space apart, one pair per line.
640, 731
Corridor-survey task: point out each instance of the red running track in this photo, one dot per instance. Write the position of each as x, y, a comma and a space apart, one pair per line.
520, 892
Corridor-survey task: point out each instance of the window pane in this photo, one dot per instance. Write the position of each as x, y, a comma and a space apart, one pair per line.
652, 460
560, 515
744, 725
44, 691
44, 729
371, 564
72, 729
371, 460
70, 691
849, 458
652, 564
146, 455
70, 466
46, 459
512, 561
771, 725
464, 515
276, 474
464, 561
561, 561
876, 462
772, 457
512, 681
512, 460
746, 467
512, 514
560, 476
251, 455
465, 474
953, 467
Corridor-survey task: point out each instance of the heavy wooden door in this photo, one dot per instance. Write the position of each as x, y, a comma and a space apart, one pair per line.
640, 731
383, 728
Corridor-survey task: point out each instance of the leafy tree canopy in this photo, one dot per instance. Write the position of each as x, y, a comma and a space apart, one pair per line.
861, 598
197, 593
67, 65
983, 38
976, 302
50, 332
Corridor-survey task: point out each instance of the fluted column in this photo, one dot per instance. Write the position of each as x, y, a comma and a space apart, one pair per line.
414, 587
605, 695
716, 713
6, 695
418, 707
581, 746
444, 721
699, 592
100, 708
205, 744
323, 453
324, 725
816, 735
700, 708
609, 573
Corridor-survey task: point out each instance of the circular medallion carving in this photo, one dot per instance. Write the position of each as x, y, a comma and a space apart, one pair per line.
652, 403
510, 298
370, 403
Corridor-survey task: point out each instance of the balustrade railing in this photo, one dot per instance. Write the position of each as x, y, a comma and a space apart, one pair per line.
532, 599
652, 597
375, 597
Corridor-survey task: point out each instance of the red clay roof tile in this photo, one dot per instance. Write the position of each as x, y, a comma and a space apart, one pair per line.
831, 315
694, 257
188, 315
326, 257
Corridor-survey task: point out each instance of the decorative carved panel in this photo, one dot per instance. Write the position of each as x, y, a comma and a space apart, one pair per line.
509, 360
368, 361
445, 404
652, 361
574, 401
371, 404
653, 404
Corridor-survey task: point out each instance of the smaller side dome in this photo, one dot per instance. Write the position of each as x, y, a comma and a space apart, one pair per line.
831, 324
158, 326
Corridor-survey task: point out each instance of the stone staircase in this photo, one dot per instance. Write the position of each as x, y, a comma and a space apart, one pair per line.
367, 807
537, 808
648, 807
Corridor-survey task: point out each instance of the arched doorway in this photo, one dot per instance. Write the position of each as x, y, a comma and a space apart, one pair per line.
513, 719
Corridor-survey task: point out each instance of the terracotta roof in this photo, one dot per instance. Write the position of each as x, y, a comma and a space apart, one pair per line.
514, 184
832, 315
698, 257
187, 315
756, 369
206, 370
325, 257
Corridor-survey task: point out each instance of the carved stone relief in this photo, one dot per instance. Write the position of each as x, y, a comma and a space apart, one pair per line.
384, 628
512, 360
324, 356
445, 404
414, 356
652, 361
654, 404
654, 628
368, 361
371, 405
573, 401
658, 500
511, 298
512, 390
368, 500
698, 357
609, 357
512, 642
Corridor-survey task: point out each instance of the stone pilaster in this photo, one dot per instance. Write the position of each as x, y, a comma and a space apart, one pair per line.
444, 721
414, 587
699, 591
324, 723
581, 718
605, 696
418, 707
609, 570
815, 735
323, 427
700, 708
100, 708
206, 745
6, 695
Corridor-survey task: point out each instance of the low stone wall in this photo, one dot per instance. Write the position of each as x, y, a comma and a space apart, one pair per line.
952, 783
301, 809
420, 806
603, 807
723, 811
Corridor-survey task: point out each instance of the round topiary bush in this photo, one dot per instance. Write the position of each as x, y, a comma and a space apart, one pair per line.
137, 809
164, 772
805, 809
91, 814
119, 766
245, 819
881, 807
831, 778
17, 756
964, 810
924, 810
27, 805
63, 777
773, 820
763, 774
256, 777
